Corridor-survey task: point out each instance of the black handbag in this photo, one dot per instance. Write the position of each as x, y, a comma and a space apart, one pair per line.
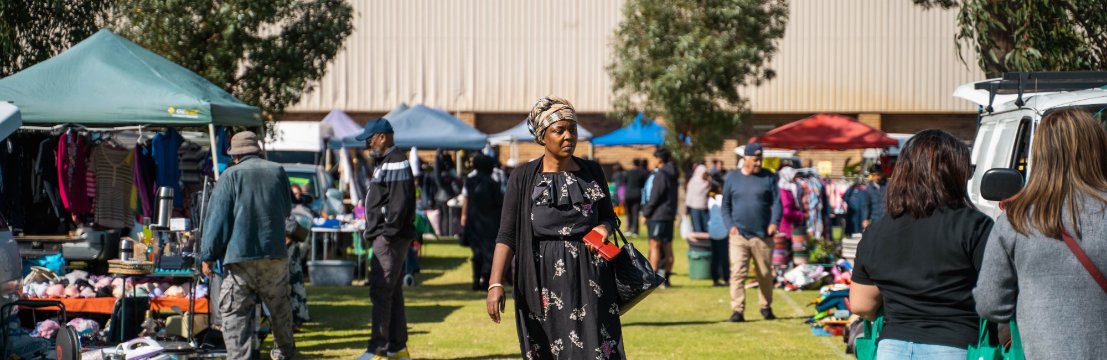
634, 277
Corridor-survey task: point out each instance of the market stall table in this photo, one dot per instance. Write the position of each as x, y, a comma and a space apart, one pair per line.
331, 272
104, 305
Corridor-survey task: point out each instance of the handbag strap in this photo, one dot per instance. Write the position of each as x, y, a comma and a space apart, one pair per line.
1084, 260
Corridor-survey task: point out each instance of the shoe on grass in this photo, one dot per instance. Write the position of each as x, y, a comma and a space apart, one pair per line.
737, 317
768, 314
400, 355
368, 355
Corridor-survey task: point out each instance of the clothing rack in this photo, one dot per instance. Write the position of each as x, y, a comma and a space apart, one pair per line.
82, 127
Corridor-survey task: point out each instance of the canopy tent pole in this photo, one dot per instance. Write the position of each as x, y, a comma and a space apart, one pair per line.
591, 151
214, 151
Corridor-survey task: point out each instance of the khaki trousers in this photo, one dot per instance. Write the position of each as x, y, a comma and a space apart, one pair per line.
741, 250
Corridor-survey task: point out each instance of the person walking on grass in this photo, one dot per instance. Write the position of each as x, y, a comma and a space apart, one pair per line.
751, 210
660, 210
920, 262
565, 295
635, 179
390, 225
244, 231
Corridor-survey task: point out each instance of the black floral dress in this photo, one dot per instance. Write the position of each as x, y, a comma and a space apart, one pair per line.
580, 318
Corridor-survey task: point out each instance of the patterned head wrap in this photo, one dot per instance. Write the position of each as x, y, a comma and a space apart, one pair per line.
549, 110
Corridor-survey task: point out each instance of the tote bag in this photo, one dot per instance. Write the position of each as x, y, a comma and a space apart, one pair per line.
866, 343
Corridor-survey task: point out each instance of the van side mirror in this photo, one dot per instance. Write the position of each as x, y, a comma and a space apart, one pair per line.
1000, 184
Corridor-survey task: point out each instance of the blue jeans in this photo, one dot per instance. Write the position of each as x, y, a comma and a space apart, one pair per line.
892, 349
699, 219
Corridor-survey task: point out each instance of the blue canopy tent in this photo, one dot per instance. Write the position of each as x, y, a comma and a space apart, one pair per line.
426, 128
522, 133
10, 119
396, 111
340, 125
640, 131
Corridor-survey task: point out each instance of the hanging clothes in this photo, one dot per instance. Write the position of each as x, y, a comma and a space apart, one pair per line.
166, 147
72, 165
44, 183
144, 174
114, 180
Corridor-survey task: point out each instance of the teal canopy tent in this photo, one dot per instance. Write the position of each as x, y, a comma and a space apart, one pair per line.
10, 119
109, 80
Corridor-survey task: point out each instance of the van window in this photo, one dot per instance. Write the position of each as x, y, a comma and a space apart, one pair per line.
1022, 147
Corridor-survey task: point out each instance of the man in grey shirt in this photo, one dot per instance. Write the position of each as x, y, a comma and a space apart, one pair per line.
751, 210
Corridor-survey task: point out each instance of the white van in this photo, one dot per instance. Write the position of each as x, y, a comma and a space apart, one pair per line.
1010, 110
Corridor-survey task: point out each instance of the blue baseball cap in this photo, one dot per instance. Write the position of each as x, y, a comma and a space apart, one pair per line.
753, 149
378, 126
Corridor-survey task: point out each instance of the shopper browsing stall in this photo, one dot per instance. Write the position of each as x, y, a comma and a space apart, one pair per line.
245, 231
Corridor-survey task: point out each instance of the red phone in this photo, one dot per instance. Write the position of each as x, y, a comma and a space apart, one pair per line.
607, 249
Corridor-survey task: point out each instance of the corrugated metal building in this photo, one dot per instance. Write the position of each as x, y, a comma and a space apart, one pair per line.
890, 63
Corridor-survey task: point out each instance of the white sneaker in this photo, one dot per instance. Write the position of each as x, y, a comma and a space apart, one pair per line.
409, 280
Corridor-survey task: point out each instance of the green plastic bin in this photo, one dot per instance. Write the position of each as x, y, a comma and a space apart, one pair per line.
699, 264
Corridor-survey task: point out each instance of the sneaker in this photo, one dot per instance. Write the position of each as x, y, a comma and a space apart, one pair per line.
409, 280
737, 317
371, 356
400, 355
768, 314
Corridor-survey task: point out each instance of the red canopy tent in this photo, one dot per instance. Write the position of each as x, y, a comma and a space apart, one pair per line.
825, 132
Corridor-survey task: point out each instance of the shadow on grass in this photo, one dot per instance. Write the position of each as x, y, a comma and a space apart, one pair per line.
671, 323
497, 356
343, 315
435, 266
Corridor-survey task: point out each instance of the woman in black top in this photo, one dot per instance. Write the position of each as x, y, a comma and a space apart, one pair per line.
565, 297
920, 262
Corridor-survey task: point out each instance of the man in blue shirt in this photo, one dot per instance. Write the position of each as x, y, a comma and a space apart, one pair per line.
751, 210
244, 230
873, 208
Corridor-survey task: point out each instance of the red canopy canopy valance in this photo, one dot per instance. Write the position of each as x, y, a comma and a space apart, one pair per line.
825, 132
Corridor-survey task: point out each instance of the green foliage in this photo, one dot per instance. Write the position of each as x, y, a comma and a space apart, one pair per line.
684, 60
266, 53
35, 30
1031, 35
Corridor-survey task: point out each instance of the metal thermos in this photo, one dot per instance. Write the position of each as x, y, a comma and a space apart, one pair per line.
165, 206
126, 249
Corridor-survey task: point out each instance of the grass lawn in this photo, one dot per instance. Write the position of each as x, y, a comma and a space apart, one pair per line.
448, 321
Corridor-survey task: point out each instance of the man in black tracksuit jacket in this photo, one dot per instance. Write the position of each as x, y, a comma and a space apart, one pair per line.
660, 210
389, 222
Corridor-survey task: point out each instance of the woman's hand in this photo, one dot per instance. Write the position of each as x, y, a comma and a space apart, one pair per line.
603, 230
495, 303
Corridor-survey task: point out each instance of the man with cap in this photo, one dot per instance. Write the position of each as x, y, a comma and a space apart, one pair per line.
389, 223
244, 231
751, 210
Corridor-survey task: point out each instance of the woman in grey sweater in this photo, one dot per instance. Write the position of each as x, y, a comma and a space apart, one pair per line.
1028, 272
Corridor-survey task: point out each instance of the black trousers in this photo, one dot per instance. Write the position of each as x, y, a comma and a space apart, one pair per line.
720, 259
389, 329
634, 215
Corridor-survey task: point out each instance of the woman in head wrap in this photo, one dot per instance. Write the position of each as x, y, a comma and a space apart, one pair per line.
793, 229
565, 295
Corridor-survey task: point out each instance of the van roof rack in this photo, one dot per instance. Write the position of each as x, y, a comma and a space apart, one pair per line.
1045, 81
